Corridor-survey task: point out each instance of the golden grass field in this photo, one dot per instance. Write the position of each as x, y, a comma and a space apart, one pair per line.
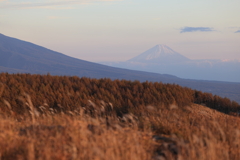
193, 132
70, 118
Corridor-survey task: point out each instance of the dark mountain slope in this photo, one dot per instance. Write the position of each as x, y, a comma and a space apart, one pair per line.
21, 56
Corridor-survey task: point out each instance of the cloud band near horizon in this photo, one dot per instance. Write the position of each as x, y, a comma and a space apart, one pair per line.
196, 29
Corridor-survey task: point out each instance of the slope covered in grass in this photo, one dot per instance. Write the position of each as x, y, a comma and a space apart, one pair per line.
70, 93
52, 117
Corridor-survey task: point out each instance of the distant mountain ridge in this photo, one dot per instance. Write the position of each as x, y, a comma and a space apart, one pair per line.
17, 56
164, 60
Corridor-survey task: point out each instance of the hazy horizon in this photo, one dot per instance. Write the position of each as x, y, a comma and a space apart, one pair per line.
117, 30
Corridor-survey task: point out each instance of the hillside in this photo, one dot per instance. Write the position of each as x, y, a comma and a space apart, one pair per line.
73, 92
52, 117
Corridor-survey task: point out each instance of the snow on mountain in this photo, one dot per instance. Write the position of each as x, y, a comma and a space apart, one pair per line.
159, 54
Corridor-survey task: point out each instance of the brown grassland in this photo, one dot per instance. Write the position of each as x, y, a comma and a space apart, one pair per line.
51, 117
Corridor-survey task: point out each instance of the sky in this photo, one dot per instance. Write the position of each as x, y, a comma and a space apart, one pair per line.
118, 30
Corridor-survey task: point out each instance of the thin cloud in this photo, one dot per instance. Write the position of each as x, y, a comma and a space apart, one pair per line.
238, 31
196, 29
57, 17
30, 5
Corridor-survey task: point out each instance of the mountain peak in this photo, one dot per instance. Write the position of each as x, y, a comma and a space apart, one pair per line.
161, 45
161, 50
160, 53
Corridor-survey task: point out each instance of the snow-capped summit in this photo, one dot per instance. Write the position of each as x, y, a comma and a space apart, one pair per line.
159, 54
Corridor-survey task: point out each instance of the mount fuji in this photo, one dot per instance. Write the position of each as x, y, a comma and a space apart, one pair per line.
159, 54
164, 60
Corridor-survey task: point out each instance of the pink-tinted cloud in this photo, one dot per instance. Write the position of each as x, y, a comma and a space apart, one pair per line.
47, 4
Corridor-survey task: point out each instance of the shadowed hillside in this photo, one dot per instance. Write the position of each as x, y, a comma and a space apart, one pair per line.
65, 92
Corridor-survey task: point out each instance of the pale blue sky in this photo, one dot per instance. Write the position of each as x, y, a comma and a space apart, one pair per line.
117, 30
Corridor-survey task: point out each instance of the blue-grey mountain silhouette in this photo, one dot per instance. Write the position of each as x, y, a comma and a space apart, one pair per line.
159, 54
164, 60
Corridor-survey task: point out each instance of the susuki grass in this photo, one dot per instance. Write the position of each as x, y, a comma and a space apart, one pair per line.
97, 129
64, 137
159, 132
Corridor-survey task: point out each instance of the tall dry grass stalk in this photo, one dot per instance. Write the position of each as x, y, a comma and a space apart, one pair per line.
1, 89
30, 105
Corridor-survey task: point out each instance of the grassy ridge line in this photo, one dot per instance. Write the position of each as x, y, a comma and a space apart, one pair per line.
71, 93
